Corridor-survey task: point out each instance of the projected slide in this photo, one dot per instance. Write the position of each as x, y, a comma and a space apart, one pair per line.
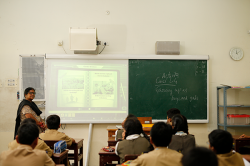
100, 87
87, 90
70, 88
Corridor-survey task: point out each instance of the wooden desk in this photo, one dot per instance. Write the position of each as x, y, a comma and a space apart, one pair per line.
76, 156
112, 141
240, 142
108, 157
61, 158
112, 130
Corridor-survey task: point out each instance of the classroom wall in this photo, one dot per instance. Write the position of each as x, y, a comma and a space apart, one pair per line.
132, 27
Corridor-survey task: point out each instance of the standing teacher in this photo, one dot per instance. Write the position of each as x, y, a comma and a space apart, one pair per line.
28, 109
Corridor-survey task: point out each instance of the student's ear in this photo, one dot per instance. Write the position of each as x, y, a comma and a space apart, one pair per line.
17, 139
212, 148
123, 123
59, 126
169, 121
151, 141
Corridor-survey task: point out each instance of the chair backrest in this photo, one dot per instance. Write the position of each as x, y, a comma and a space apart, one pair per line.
51, 143
131, 156
145, 120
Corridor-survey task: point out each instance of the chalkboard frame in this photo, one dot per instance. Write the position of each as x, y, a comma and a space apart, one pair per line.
127, 57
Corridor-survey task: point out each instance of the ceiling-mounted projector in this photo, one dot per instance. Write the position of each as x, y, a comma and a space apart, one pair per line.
83, 40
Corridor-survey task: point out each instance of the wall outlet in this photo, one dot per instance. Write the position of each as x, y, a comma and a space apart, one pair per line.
107, 43
11, 83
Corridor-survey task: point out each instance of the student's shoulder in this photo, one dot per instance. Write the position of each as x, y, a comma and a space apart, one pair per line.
188, 136
174, 153
40, 143
40, 153
123, 142
61, 134
4, 154
41, 135
13, 145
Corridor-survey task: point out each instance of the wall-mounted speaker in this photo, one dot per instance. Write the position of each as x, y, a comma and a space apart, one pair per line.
167, 47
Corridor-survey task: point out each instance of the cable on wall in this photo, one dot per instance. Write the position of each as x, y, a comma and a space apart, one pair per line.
103, 47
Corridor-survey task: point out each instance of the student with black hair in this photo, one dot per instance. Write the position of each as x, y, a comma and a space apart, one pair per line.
53, 124
221, 142
199, 156
41, 145
133, 143
181, 140
170, 113
25, 154
118, 133
161, 135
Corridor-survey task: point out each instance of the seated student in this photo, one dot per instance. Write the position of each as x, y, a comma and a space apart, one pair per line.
170, 113
25, 154
143, 134
133, 143
53, 124
41, 145
161, 134
181, 140
221, 143
118, 133
199, 156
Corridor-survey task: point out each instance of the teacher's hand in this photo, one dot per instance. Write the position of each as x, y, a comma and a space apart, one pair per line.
42, 126
244, 136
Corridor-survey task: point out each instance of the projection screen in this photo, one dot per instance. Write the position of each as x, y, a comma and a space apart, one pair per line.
87, 91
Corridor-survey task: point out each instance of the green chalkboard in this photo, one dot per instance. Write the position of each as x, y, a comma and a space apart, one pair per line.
158, 85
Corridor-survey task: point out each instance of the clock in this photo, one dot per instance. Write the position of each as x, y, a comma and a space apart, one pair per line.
236, 53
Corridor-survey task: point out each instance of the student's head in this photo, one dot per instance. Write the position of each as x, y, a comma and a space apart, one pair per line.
179, 123
28, 120
220, 141
28, 134
129, 116
199, 156
53, 122
161, 134
171, 112
132, 126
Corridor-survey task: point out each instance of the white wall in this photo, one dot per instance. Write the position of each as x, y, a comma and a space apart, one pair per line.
203, 28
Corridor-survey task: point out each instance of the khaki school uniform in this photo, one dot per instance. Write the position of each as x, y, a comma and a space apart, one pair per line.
55, 135
160, 156
230, 159
41, 145
182, 143
24, 155
133, 144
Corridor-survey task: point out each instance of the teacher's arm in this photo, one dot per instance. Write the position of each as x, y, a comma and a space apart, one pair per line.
28, 115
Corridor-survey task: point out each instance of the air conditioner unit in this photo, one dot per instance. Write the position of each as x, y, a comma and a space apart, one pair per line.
83, 40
